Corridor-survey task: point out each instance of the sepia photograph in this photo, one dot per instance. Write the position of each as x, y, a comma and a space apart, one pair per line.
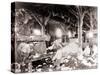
53, 37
